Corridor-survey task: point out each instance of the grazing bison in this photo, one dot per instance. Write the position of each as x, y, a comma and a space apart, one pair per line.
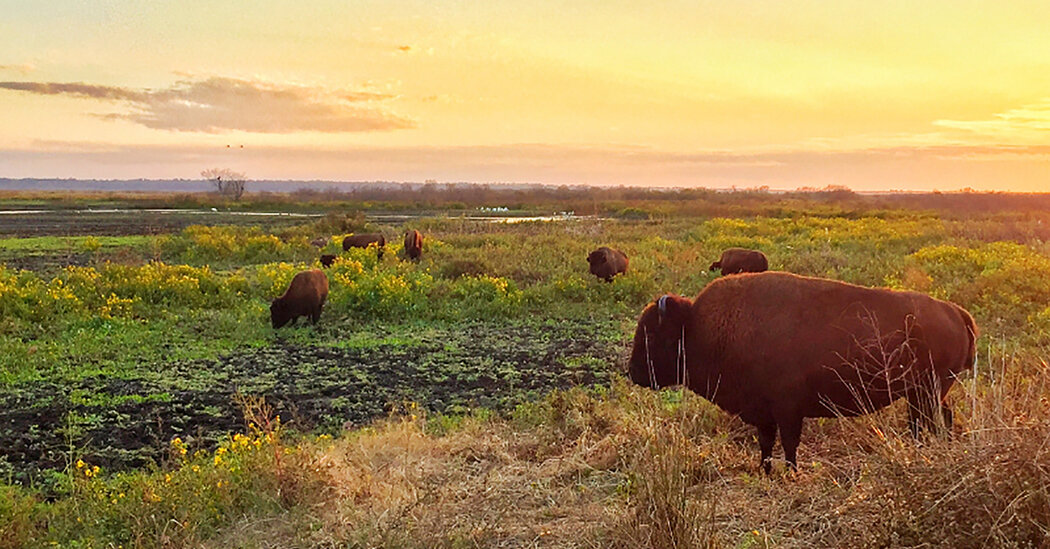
774, 348
327, 260
413, 244
739, 260
364, 240
320, 242
607, 263
305, 296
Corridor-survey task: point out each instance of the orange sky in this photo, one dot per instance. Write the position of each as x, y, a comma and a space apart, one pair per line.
872, 95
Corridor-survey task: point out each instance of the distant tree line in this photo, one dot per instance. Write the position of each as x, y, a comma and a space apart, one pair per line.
700, 201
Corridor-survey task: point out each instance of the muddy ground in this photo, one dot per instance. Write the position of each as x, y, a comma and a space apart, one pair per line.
122, 423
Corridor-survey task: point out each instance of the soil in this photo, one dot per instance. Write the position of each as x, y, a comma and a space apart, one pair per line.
123, 423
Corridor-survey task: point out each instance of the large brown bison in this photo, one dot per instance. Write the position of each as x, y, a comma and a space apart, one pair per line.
364, 240
740, 260
607, 263
774, 348
327, 260
413, 244
305, 296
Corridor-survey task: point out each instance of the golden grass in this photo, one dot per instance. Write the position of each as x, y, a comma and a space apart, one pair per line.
637, 469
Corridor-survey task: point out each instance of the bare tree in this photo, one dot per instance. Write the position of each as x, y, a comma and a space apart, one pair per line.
226, 181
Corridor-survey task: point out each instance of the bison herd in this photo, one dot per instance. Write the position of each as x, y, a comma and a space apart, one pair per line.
773, 348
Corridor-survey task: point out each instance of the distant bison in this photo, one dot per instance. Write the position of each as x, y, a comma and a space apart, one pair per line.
305, 297
327, 260
774, 348
413, 244
607, 263
320, 242
739, 260
363, 241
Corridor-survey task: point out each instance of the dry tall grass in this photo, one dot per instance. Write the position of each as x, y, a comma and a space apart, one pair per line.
633, 468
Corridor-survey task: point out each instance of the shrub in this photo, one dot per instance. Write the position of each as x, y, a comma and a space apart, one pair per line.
1004, 282
486, 295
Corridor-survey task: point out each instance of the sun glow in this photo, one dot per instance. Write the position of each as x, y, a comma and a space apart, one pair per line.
870, 95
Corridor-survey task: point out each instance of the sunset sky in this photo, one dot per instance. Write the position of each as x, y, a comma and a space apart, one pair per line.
872, 95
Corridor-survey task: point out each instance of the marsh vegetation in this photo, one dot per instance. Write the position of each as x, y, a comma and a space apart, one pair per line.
477, 397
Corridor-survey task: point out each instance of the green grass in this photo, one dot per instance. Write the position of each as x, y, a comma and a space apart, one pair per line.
42, 244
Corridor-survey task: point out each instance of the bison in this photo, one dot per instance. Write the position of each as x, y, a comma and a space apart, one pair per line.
739, 260
413, 244
774, 348
607, 263
364, 240
327, 260
319, 242
305, 296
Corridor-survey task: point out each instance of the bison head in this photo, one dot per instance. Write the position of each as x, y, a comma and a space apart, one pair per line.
279, 313
658, 356
597, 257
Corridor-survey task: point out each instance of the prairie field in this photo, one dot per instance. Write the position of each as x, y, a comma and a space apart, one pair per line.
478, 397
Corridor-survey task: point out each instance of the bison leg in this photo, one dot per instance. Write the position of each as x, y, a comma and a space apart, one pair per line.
923, 408
790, 435
946, 413
316, 315
767, 436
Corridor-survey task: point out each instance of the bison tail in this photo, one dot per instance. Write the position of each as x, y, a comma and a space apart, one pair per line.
971, 333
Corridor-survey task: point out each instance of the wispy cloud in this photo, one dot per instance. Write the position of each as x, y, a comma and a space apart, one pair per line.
1024, 123
77, 89
22, 68
220, 104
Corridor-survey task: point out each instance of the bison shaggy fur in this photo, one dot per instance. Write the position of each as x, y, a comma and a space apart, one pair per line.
327, 260
740, 260
774, 348
364, 240
305, 296
413, 244
607, 263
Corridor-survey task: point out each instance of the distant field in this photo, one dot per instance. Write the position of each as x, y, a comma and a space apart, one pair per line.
476, 397
123, 222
